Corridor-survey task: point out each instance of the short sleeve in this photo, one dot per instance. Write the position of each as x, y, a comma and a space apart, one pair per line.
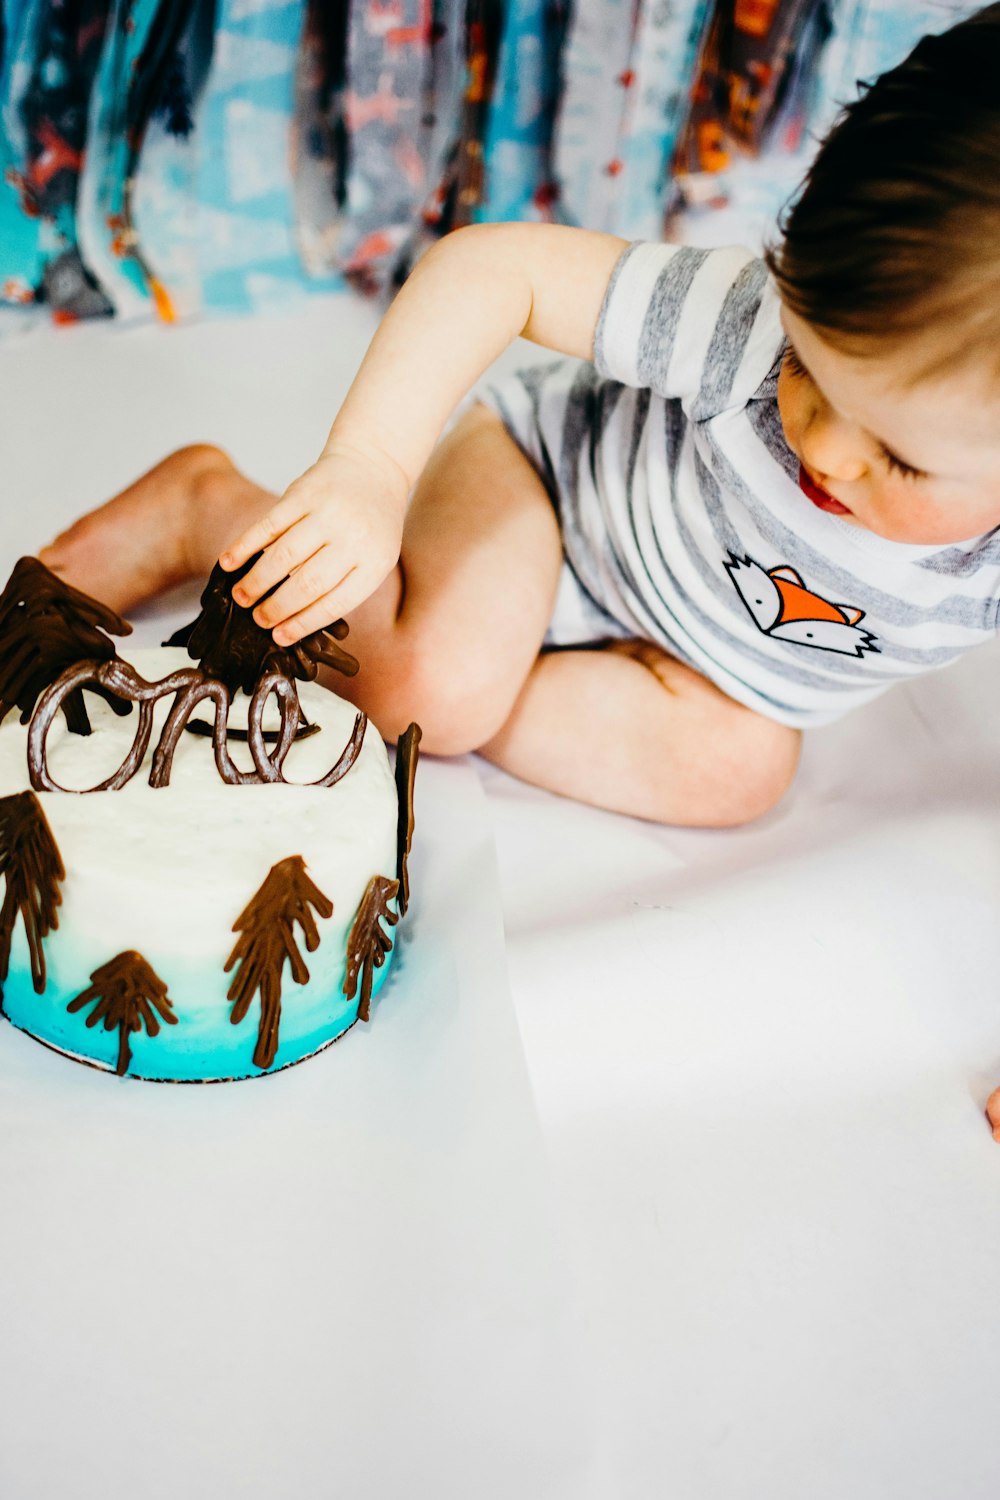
701, 325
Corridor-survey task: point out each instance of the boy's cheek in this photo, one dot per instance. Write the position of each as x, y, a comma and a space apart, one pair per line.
905, 515
790, 411
897, 509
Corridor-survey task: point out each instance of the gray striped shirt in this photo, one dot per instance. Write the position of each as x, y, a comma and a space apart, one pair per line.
683, 518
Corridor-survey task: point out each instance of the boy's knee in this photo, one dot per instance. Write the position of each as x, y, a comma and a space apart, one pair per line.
455, 715
760, 771
455, 722
746, 763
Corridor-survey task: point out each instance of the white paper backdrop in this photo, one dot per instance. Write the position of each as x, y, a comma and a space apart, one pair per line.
759, 1060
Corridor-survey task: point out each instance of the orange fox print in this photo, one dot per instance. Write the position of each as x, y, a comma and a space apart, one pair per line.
780, 605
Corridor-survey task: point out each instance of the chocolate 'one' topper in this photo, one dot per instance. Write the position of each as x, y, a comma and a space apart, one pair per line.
231, 647
190, 686
46, 626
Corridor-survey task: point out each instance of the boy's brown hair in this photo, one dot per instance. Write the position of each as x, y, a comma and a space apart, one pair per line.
897, 226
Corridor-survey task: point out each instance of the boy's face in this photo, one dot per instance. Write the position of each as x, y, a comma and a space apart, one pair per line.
914, 463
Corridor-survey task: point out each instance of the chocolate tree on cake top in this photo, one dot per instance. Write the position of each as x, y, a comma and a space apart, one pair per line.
45, 627
229, 644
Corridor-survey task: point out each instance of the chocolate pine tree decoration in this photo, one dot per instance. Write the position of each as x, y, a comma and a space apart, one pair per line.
267, 938
32, 868
367, 944
130, 995
45, 627
230, 645
406, 770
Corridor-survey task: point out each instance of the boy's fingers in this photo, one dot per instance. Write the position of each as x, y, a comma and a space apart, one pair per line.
261, 534
293, 548
318, 576
320, 613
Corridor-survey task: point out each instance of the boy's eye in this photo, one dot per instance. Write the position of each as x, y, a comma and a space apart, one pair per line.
794, 365
895, 464
899, 466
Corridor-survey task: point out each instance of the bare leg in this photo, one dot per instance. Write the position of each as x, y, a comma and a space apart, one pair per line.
158, 532
452, 641
630, 729
454, 631
452, 637
451, 634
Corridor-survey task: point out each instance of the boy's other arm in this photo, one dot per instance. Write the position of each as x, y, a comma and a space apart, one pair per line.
337, 529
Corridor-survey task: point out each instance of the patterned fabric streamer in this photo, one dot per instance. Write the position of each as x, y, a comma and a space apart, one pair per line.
518, 142
320, 141
171, 157
740, 71
388, 52
247, 254
742, 203
797, 99
443, 94
598, 73
483, 32
442, 114
166, 205
871, 36
765, 36
27, 241
667, 43
53, 110
107, 236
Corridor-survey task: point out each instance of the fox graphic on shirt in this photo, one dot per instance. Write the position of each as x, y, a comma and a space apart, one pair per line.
780, 605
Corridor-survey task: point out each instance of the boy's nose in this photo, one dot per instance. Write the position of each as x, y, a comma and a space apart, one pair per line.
834, 449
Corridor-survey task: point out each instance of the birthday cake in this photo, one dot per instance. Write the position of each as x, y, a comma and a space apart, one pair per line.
202, 850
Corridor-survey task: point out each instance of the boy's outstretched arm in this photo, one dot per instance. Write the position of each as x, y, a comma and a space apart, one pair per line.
336, 532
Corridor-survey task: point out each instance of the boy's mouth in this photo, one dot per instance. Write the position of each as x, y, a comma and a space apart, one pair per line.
818, 495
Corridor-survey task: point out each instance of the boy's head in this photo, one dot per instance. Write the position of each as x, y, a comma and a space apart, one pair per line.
889, 274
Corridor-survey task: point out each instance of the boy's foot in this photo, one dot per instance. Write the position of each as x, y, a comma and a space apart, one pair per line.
167, 527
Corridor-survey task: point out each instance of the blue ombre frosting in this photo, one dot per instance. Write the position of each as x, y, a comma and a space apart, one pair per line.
168, 872
204, 1045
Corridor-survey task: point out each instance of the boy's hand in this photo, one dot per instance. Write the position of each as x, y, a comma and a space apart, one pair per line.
336, 533
333, 537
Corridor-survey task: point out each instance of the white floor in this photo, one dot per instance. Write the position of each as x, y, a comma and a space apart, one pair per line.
759, 1058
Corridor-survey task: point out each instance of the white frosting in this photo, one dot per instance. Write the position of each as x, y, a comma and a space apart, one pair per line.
168, 871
